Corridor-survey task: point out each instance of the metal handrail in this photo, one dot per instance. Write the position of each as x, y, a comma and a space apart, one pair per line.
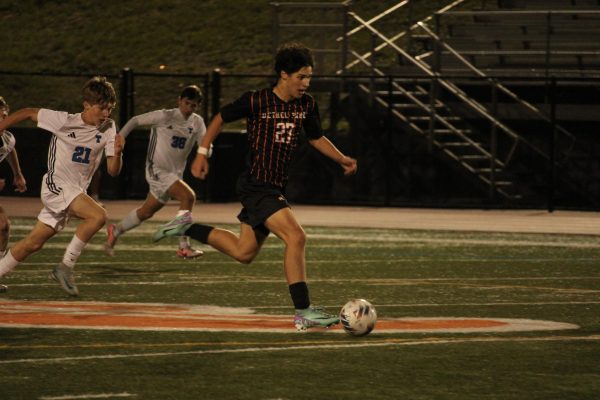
523, 12
310, 4
444, 122
395, 37
440, 118
476, 106
374, 19
451, 87
425, 107
531, 52
494, 82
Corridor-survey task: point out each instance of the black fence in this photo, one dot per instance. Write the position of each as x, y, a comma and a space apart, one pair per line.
398, 165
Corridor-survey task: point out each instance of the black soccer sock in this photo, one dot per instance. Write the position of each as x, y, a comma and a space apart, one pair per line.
299, 292
199, 232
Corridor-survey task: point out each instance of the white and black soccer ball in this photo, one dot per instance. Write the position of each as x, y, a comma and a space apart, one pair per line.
358, 317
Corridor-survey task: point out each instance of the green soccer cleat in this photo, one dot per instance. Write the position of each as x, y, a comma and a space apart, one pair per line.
314, 317
175, 227
64, 275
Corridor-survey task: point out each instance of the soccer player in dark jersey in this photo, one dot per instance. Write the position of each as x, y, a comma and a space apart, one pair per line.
275, 118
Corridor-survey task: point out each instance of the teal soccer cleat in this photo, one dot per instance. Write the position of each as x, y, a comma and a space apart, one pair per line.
313, 317
64, 275
175, 227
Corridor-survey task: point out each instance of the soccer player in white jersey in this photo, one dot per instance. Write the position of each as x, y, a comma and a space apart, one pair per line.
8, 152
174, 133
76, 148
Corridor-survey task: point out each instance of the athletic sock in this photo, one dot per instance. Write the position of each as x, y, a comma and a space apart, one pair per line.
184, 242
129, 222
199, 232
181, 212
73, 251
7, 263
299, 293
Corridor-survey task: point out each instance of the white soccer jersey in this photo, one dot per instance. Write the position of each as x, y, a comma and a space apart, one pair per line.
75, 150
7, 144
172, 138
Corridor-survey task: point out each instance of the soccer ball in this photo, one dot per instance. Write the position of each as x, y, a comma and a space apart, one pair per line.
358, 317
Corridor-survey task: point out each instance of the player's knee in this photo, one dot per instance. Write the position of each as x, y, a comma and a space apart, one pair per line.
246, 257
245, 260
99, 218
296, 238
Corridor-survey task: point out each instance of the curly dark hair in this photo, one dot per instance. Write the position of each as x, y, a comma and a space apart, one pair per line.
291, 57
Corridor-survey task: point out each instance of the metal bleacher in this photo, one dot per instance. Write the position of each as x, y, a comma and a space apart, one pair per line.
529, 38
430, 59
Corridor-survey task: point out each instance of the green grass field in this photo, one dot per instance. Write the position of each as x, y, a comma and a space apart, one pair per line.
416, 274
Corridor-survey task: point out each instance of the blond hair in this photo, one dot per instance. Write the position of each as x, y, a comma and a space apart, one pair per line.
99, 91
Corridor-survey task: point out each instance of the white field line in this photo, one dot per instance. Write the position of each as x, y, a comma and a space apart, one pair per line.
147, 230
364, 243
392, 282
348, 245
491, 304
156, 310
199, 261
369, 281
89, 396
410, 305
144, 230
379, 305
451, 241
200, 281
384, 343
368, 239
171, 248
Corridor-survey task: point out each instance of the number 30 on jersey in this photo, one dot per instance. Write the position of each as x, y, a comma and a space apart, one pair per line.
178, 142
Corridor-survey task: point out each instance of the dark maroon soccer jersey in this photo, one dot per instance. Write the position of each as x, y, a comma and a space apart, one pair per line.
273, 129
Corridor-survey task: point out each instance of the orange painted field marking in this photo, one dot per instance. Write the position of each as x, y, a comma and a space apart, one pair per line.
141, 316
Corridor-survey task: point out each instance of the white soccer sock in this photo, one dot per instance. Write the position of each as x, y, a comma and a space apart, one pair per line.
181, 212
184, 242
73, 251
129, 222
7, 264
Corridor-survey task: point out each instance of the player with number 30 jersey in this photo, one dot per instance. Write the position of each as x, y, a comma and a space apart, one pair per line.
173, 135
172, 138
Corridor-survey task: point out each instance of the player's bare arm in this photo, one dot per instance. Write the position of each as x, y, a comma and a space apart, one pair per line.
18, 116
115, 163
325, 147
18, 178
199, 166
